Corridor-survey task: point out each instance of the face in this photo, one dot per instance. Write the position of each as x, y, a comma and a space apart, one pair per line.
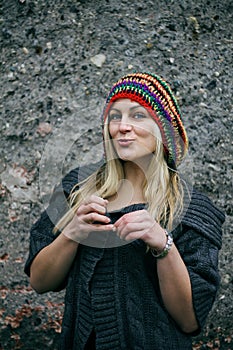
132, 130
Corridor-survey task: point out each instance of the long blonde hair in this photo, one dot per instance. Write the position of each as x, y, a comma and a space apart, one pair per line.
162, 188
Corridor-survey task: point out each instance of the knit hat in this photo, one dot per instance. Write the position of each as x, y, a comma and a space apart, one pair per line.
154, 94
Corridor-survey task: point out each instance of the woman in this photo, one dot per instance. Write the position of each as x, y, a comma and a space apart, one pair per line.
139, 260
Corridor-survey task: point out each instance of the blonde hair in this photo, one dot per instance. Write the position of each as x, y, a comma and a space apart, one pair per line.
162, 188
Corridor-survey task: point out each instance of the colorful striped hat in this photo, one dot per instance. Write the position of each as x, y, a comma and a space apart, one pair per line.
153, 93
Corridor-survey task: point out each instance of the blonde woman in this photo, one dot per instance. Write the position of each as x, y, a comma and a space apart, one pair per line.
138, 257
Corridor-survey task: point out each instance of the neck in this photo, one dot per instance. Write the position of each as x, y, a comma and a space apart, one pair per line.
131, 187
134, 173
137, 169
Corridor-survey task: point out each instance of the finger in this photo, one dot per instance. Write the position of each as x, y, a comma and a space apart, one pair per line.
96, 226
95, 217
136, 216
129, 228
99, 227
135, 235
96, 199
91, 207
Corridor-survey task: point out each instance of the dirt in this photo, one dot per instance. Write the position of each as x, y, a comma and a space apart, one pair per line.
52, 91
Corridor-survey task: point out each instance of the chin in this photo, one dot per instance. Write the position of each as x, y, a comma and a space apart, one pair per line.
126, 157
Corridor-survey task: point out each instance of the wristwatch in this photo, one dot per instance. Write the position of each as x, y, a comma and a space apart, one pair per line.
166, 249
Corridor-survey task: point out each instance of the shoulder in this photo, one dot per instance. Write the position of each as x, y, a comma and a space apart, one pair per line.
202, 205
202, 215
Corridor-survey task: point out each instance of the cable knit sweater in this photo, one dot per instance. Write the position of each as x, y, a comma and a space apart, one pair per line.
115, 291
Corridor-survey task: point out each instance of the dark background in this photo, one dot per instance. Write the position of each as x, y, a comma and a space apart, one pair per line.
52, 94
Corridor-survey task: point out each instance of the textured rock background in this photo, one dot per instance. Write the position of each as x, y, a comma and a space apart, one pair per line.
52, 90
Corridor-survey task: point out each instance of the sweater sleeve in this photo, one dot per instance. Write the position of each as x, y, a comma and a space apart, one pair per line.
200, 256
41, 233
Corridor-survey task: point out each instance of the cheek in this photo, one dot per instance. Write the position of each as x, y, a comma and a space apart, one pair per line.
148, 137
157, 133
144, 131
112, 129
151, 131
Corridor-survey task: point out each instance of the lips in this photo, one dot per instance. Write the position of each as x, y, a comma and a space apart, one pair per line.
125, 142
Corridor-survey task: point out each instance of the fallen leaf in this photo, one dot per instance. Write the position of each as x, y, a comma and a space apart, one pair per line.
2, 311
4, 257
3, 292
15, 336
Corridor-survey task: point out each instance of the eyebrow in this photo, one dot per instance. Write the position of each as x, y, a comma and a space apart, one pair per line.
133, 107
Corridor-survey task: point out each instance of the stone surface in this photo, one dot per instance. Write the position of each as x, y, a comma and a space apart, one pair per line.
48, 79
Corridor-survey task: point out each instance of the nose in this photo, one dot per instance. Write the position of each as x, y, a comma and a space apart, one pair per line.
124, 125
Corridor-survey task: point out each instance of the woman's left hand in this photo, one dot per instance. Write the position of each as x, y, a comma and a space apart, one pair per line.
140, 225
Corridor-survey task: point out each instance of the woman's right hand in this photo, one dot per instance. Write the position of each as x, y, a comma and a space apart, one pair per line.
89, 217
52, 264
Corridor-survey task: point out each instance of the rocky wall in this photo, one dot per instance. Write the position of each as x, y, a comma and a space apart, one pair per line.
58, 61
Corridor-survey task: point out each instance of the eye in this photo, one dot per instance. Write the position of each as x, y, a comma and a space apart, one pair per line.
139, 115
114, 116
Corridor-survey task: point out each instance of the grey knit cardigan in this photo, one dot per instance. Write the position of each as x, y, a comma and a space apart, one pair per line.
115, 291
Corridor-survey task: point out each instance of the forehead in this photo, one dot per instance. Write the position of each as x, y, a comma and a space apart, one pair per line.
125, 103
